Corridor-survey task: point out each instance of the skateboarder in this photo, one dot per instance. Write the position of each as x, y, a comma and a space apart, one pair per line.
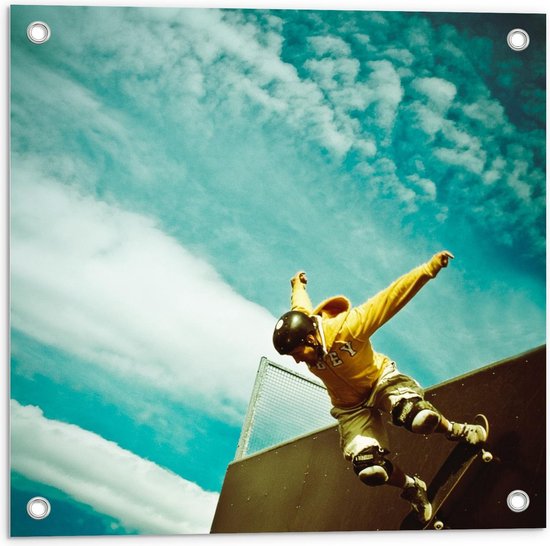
334, 341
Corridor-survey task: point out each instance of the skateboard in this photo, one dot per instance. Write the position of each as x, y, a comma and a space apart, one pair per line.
450, 481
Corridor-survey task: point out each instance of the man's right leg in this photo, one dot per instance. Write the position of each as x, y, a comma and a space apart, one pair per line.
364, 442
363, 435
374, 469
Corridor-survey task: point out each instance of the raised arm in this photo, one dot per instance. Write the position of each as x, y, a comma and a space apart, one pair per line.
365, 319
299, 298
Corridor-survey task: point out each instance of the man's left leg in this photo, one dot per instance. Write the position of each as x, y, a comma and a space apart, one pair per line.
417, 415
421, 417
402, 397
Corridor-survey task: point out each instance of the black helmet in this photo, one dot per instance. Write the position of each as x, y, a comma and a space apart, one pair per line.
292, 330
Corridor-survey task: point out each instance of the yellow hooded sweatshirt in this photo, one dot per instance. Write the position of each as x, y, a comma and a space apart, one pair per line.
350, 366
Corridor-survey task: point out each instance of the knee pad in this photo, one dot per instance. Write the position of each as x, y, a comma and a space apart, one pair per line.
416, 415
372, 467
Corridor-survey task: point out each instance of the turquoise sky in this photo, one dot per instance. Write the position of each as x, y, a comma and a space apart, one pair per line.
171, 169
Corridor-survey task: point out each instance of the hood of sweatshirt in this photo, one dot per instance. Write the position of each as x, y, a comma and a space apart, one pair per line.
333, 312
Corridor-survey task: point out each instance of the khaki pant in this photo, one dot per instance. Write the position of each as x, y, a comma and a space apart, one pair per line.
365, 425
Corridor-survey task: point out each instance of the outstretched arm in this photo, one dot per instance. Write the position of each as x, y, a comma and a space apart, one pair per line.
365, 319
299, 298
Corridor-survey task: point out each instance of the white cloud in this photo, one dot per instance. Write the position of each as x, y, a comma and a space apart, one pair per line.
426, 187
489, 113
518, 180
495, 170
225, 59
401, 56
436, 96
241, 48
333, 45
366, 147
429, 120
466, 150
109, 287
73, 113
385, 84
464, 159
231, 59
333, 73
440, 93
112, 480
259, 95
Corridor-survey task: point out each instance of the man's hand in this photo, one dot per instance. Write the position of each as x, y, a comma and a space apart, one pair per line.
441, 259
299, 277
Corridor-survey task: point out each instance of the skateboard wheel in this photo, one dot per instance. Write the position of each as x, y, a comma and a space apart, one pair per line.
487, 457
438, 525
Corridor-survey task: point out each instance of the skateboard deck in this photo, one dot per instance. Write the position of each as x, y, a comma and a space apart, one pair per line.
450, 481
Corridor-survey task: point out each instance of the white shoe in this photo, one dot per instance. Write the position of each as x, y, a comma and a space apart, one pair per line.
471, 434
417, 495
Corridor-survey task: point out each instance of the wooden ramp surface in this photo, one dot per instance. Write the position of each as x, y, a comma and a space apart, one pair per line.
306, 485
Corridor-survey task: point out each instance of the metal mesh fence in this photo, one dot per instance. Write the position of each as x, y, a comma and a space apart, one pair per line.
283, 405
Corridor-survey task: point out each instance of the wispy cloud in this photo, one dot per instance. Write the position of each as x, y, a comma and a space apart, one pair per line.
439, 92
111, 288
114, 481
349, 88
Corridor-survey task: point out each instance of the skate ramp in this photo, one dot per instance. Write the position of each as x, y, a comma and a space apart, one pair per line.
306, 485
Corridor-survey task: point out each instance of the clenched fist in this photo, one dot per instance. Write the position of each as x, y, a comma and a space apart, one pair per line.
299, 277
441, 259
